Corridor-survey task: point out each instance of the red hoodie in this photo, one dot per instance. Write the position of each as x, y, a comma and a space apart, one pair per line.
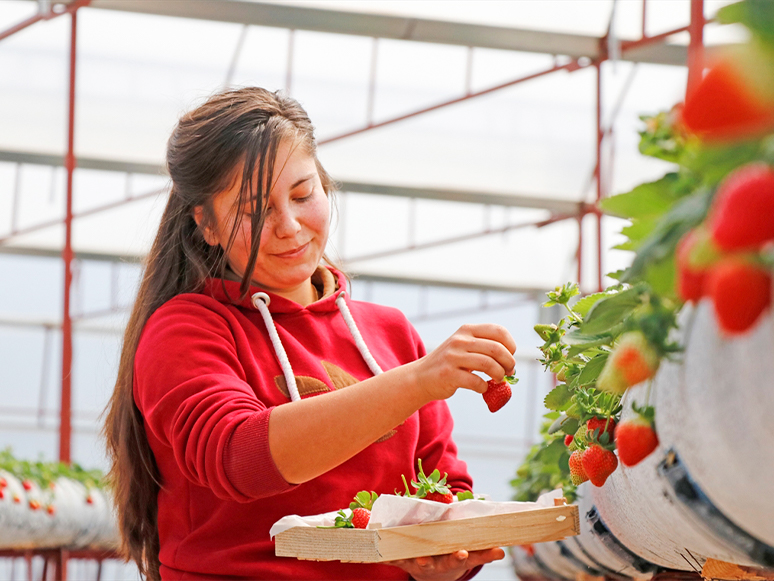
206, 379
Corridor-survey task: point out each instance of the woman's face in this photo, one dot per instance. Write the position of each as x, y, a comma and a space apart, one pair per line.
295, 229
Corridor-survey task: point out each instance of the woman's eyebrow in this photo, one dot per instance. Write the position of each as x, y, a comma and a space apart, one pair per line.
302, 180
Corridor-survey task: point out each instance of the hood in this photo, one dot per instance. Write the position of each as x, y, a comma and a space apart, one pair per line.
330, 281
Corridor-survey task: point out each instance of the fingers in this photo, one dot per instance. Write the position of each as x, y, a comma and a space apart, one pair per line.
476, 558
498, 349
492, 332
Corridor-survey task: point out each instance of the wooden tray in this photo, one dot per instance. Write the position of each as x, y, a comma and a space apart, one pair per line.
436, 538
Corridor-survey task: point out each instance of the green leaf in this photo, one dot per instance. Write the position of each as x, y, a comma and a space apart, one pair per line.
570, 426
558, 398
732, 14
557, 424
592, 369
757, 15
662, 242
583, 305
608, 313
644, 201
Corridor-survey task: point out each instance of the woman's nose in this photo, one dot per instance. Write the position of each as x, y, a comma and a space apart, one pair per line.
286, 222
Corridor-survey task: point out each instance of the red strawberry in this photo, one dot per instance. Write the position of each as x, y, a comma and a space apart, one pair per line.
497, 394
3, 482
2, 494
430, 487
360, 517
27, 485
604, 425
89, 500
632, 361
50, 509
446, 498
577, 473
16, 498
568, 439
726, 107
690, 280
598, 463
34, 504
529, 549
740, 291
635, 440
742, 215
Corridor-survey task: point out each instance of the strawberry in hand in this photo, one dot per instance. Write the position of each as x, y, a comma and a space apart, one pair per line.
635, 438
498, 393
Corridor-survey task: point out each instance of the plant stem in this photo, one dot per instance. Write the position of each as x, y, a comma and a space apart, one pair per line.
573, 314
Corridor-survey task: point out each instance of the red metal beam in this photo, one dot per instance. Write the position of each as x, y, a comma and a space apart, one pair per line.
571, 66
583, 209
95, 210
696, 46
65, 427
68, 9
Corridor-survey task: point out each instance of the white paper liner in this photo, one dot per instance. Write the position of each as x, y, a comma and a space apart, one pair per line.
392, 511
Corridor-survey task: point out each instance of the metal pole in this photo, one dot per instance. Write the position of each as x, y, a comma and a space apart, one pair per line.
600, 136
696, 45
65, 427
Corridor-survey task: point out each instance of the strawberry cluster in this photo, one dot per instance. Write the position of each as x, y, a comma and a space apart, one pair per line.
592, 456
724, 259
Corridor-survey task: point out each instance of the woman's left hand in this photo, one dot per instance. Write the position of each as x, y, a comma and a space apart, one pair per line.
447, 567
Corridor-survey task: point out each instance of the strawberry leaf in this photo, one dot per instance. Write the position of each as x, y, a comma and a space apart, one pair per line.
558, 398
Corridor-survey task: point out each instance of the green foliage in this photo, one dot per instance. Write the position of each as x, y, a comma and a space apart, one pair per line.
364, 499
46, 473
660, 212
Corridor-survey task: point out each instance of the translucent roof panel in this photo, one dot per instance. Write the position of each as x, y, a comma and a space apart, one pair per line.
136, 73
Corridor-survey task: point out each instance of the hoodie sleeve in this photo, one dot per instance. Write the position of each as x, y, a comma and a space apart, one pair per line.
191, 390
435, 447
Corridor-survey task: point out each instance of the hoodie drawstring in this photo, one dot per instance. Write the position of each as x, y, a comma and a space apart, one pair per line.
355, 332
261, 302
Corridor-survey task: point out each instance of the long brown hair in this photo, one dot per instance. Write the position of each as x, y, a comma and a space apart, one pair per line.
243, 126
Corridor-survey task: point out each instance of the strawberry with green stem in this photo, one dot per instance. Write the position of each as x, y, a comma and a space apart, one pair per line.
740, 289
577, 473
636, 438
498, 393
360, 512
431, 487
632, 361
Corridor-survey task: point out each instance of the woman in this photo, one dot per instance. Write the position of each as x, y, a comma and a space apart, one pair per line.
212, 428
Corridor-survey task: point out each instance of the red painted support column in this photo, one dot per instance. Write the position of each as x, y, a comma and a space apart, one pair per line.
67, 256
696, 45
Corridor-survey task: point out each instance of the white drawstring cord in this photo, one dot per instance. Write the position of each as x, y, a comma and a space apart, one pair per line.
355, 332
261, 302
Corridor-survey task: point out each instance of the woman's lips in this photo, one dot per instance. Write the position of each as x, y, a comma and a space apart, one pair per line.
298, 251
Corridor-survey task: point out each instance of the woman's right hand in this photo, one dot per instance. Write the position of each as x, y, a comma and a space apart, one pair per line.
487, 348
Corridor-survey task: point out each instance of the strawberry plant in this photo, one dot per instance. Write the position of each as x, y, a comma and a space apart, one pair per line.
704, 231
45, 474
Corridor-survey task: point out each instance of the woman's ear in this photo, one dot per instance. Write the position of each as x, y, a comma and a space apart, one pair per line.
209, 236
